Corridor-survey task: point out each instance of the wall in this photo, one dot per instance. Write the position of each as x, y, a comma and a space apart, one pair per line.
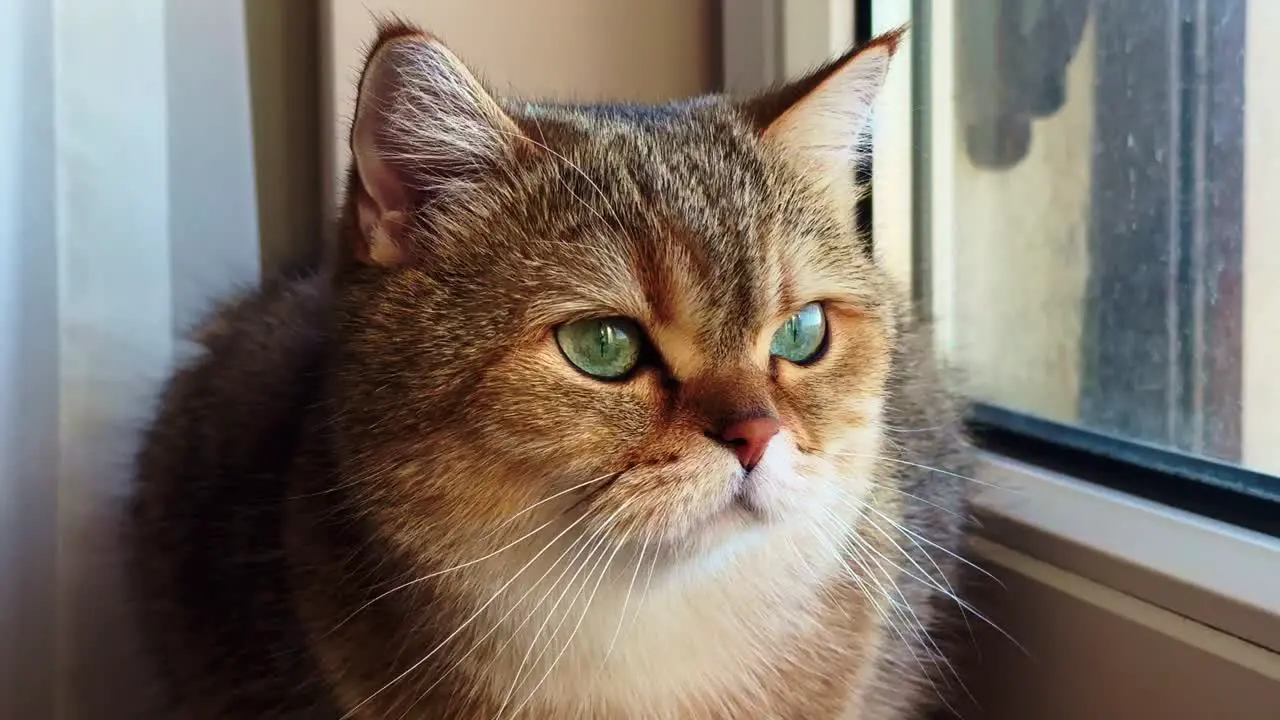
585, 50
1262, 247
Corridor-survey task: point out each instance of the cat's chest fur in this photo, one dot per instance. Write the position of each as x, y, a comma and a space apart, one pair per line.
750, 639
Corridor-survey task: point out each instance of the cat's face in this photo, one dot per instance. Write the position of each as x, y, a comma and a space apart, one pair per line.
656, 327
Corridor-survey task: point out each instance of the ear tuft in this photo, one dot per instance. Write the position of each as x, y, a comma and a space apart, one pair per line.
820, 121
425, 130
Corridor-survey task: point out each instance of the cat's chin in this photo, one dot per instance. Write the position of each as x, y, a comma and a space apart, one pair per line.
719, 535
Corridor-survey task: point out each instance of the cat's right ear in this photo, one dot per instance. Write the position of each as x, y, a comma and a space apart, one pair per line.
424, 131
820, 121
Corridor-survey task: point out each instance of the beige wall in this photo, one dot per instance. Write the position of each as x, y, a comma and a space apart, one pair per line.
585, 50
1262, 246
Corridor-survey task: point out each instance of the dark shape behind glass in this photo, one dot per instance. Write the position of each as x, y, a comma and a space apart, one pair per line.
1020, 49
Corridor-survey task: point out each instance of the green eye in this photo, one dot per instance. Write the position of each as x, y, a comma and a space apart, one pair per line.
606, 348
802, 336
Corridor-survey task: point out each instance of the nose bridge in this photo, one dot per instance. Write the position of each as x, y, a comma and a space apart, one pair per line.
729, 385
730, 396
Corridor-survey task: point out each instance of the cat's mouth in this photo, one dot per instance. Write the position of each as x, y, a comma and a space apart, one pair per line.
748, 501
740, 511
688, 505
745, 500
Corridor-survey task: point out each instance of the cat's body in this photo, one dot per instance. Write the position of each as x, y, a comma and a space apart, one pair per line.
380, 495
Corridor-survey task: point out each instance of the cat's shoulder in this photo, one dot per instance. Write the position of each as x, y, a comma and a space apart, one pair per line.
280, 311
252, 360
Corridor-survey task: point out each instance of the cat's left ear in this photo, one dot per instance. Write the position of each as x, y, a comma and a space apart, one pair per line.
819, 121
426, 134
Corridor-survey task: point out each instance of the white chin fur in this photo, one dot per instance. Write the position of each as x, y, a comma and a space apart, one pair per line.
788, 485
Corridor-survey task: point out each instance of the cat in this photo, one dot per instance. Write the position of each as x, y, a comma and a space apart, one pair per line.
594, 412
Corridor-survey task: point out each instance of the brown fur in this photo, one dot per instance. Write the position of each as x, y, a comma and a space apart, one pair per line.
349, 439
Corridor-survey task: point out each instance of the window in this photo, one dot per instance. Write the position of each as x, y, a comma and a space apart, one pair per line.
1097, 241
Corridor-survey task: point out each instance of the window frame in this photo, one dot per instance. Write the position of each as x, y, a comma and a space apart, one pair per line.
1211, 571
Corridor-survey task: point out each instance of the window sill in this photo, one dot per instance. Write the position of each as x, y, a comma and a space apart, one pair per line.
1217, 574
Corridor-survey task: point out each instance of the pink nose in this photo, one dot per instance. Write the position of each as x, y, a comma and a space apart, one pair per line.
749, 438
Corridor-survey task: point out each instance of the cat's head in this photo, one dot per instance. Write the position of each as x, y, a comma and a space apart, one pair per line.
658, 325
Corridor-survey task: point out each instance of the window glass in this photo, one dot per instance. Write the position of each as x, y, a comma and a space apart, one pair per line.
1107, 254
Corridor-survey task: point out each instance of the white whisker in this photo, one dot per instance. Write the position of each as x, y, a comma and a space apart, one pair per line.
351, 713
438, 573
603, 545
514, 606
930, 468
626, 601
850, 545
916, 536
569, 641
840, 557
950, 591
648, 581
599, 532
964, 605
469, 563
917, 498
913, 622
549, 498
914, 626
515, 632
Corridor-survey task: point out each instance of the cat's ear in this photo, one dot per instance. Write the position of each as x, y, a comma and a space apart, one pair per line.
425, 131
821, 120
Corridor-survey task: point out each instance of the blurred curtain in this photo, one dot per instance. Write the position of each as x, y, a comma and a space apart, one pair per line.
127, 199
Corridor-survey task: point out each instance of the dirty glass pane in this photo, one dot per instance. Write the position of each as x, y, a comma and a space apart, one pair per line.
1114, 180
